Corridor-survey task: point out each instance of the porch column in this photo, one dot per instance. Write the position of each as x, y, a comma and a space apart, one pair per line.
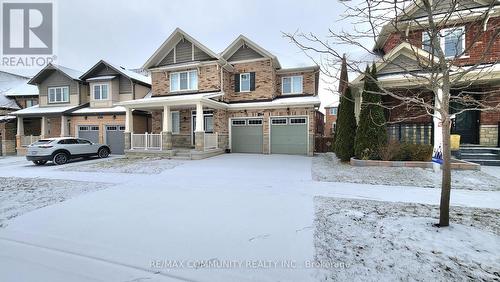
438, 134
199, 132
64, 126
20, 131
43, 127
166, 134
129, 128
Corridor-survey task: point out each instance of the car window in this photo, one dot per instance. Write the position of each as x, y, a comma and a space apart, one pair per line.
43, 141
67, 141
83, 141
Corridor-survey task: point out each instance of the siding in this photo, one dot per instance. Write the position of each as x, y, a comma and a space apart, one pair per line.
245, 53
400, 64
58, 79
183, 51
168, 60
200, 55
125, 86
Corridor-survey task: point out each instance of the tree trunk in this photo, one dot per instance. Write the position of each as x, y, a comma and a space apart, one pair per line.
444, 210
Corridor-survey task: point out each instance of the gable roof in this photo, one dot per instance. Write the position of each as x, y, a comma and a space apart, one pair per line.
121, 70
14, 74
170, 43
23, 89
68, 72
240, 41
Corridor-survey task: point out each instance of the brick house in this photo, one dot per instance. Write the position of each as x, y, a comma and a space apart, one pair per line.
73, 103
242, 100
398, 56
15, 94
331, 118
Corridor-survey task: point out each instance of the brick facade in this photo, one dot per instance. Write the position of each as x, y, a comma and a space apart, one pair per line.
329, 120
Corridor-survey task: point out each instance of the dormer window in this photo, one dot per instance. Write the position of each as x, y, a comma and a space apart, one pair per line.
58, 94
101, 92
184, 80
291, 85
451, 40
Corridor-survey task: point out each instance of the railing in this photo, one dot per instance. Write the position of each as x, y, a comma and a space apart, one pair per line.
211, 141
28, 140
147, 141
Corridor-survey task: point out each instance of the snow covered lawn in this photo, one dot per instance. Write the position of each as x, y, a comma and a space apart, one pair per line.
21, 195
382, 241
126, 165
326, 167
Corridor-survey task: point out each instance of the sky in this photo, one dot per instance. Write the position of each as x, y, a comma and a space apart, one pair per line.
128, 32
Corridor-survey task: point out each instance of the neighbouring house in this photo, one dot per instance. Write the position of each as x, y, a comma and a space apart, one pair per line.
411, 123
331, 118
320, 124
241, 100
15, 94
73, 103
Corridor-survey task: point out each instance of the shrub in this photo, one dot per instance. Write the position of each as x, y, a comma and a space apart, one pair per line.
346, 128
389, 151
413, 152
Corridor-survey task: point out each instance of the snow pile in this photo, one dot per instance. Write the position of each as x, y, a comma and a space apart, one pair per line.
326, 167
21, 195
126, 165
385, 241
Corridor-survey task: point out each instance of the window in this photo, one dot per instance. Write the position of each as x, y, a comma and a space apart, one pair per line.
333, 111
31, 103
334, 127
186, 80
451, 40
254, 122
297, 121
59, 94
291, 85
83, 141
101, 92
279, 121
239, 122
244, 82
209, 124
176, 122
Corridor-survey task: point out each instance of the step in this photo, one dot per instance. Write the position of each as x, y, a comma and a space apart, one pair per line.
486, 162
180, 158
188, 153
479, 150
481, 156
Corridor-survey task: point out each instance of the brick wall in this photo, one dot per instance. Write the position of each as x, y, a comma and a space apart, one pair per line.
407, 112
308, 81
265, 77
491, 99
21, 101
330, 119
208, 80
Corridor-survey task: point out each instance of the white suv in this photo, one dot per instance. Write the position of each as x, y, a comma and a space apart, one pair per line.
60, 150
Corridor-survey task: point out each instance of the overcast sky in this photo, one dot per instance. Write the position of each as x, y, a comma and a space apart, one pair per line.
128, 32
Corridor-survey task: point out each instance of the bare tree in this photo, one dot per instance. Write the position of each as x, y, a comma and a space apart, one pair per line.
433, 81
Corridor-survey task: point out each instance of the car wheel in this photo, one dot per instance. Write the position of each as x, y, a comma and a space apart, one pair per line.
60, 158
103, 153
39, 162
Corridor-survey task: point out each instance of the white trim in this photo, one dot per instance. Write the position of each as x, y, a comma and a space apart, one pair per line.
100, 85
55, 94
192, 128
249, 82
442, 41
292, 78
287, 117
249, 60
188, 73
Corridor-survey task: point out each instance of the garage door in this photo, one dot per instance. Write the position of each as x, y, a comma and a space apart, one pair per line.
115, 139
289, 135
89, 132
246, 136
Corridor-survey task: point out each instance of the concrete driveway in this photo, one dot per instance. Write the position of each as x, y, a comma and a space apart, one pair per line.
228, 218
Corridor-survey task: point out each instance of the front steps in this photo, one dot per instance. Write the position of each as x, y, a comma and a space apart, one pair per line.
181, 154
488, 156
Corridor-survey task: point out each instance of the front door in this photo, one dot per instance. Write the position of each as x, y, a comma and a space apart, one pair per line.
466, 125
208, 125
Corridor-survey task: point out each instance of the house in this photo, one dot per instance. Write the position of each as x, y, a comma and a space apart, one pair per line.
241, 100
15, 94
399, 54
73, 103
331, 118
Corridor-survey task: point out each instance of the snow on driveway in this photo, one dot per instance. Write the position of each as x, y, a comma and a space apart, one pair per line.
255, 213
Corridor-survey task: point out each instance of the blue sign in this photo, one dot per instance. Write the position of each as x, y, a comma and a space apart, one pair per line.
437, 157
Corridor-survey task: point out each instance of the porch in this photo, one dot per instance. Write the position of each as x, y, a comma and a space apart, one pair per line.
184, 127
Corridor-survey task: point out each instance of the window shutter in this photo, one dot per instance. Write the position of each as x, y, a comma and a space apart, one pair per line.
237, 82
252, 81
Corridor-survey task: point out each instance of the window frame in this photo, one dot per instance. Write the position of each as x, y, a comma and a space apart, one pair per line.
292, 90
302, 120
331, 111
249, 82
239, 124
275, 119
49, 101
178, 73
100, 85
442, 41
178, 131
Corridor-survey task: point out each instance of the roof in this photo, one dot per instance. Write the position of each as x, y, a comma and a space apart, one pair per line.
7, 118
181, 99
70, 73
36, 110
170, 43
239, 41
14, 74
23, 89
332, 105
123, 71
8, 103
104, 77
298, 69
88, 110
280, 102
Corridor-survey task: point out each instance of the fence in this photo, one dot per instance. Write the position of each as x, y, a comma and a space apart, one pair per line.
411, 133
28, 140
211, 141
147, 141
323, 144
